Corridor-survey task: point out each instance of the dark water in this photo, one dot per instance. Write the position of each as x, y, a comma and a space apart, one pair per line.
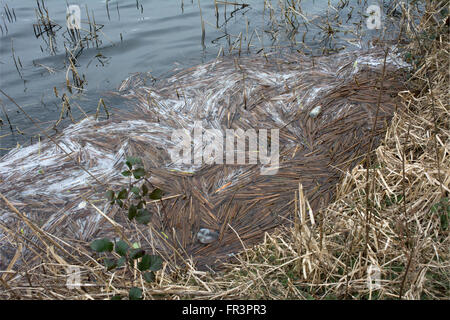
140, 36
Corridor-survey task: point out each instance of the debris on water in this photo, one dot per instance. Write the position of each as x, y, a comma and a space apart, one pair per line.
315, 112
207, 236
82, 205
318, 153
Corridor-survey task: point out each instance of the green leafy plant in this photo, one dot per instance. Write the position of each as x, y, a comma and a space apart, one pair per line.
134, 198
120, 254
146, 263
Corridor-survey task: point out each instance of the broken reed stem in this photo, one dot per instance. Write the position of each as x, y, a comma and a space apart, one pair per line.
368, 157
101, 102
203, 24
14, 59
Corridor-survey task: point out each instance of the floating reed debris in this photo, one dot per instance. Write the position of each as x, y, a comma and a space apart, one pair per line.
45, 26
235, 201
17, 62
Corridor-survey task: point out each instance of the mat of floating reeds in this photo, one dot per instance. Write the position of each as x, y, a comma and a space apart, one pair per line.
237, 201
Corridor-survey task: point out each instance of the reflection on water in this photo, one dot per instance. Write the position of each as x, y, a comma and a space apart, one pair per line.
38, 55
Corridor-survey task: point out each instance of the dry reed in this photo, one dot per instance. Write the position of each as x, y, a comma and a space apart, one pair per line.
391, 217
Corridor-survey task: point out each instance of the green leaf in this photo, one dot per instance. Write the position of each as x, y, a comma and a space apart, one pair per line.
129, 165
122, 194
135, 294
131, 161
140, 204
121, 248
135, 190
144, 264
134, 160
102, 245
110, 264
155, 263
149, 277
116, 297
120, 203
110, 195
136, 253
139, 173
156, 194
126, 173
121, 262
143, 216
144, 190
132, 211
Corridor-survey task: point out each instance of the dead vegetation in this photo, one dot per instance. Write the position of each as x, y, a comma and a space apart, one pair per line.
387, 225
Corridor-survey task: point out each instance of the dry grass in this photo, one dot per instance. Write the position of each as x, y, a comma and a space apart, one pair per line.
391, 214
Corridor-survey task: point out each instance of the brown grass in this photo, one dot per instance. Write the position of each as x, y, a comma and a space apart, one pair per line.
390, 214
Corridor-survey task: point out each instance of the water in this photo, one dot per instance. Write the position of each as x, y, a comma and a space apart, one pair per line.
141, 36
